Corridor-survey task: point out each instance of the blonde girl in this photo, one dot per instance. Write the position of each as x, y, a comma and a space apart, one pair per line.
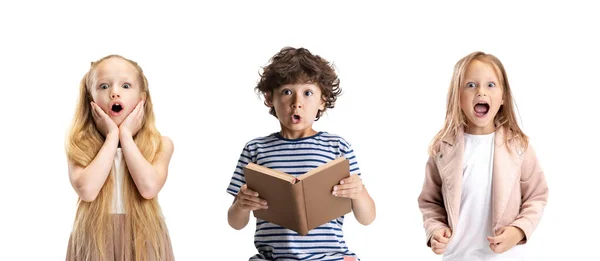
118, 163
484, 190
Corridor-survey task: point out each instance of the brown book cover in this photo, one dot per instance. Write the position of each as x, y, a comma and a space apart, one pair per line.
304, 203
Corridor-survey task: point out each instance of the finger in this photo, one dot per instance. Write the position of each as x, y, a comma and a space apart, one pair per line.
497, 239
493, 247
439, 251
501, 231
498, 248
248, 191
347, 186
436, 244
94, 110
138, 107
447, 232
347, 192
142, 103
351, 179
254, 199
443, 240
100, 112
96, 107
253, 205
502, 247
437, 236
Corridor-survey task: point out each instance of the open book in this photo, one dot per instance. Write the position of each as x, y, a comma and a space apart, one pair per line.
303, 203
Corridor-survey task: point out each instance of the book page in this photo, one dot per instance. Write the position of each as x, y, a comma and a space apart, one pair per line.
272, 172
321, 168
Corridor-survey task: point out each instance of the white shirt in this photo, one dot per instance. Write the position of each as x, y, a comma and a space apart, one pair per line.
474, 225
119, 177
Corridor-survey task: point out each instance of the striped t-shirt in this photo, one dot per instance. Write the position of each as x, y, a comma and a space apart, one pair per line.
296, 157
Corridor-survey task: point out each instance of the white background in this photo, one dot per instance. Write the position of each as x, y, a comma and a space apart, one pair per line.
394, 61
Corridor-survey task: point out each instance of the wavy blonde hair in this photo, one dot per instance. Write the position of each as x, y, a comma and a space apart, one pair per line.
456, 119
93, 224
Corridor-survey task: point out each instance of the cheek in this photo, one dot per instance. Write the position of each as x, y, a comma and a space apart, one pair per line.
277, 103
131, 104
94, 97
465, 100
499, 98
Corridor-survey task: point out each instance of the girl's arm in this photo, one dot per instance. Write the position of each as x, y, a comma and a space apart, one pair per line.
431, 201
534, 195
149, 178
88, 181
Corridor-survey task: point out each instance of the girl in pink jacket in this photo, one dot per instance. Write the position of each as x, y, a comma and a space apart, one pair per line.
484, 190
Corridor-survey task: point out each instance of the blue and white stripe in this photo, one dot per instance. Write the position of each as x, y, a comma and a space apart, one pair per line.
296, 157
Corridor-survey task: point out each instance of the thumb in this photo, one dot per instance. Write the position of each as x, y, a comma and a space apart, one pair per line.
499, 238
500, 231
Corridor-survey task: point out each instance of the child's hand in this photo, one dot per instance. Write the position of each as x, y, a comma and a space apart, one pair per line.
507, 237
439, 240
103, 122
248, 199
351, 187
133, 123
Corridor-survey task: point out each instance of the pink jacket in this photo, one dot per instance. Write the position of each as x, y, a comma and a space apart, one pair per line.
519, 189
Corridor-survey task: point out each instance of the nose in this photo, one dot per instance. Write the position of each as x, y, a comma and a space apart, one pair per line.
114, 94
297, 102
481, 91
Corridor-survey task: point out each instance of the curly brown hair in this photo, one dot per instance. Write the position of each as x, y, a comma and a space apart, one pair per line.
293, 66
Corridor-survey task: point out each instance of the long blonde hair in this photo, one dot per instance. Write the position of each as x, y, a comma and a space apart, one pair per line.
456, 120
93, 224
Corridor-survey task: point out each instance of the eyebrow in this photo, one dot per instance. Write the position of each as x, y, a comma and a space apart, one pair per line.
103, 80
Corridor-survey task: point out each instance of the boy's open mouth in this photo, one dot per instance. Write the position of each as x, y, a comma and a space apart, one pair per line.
481, 109
296, 118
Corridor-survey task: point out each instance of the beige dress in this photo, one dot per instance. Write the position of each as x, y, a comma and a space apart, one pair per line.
119, 245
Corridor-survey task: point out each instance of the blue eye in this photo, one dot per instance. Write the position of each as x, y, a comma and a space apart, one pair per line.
287, 92
471, 85
308, 93
491, 84
126, 86
104, 86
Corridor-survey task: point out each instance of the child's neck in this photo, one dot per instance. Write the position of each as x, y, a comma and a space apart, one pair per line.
475, 130
297, 134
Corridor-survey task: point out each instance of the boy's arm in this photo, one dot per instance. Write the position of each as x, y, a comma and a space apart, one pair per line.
237, 217
363, 207
245, 200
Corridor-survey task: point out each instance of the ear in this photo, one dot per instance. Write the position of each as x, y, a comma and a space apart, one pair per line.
269, 99
144, 96
322, 105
